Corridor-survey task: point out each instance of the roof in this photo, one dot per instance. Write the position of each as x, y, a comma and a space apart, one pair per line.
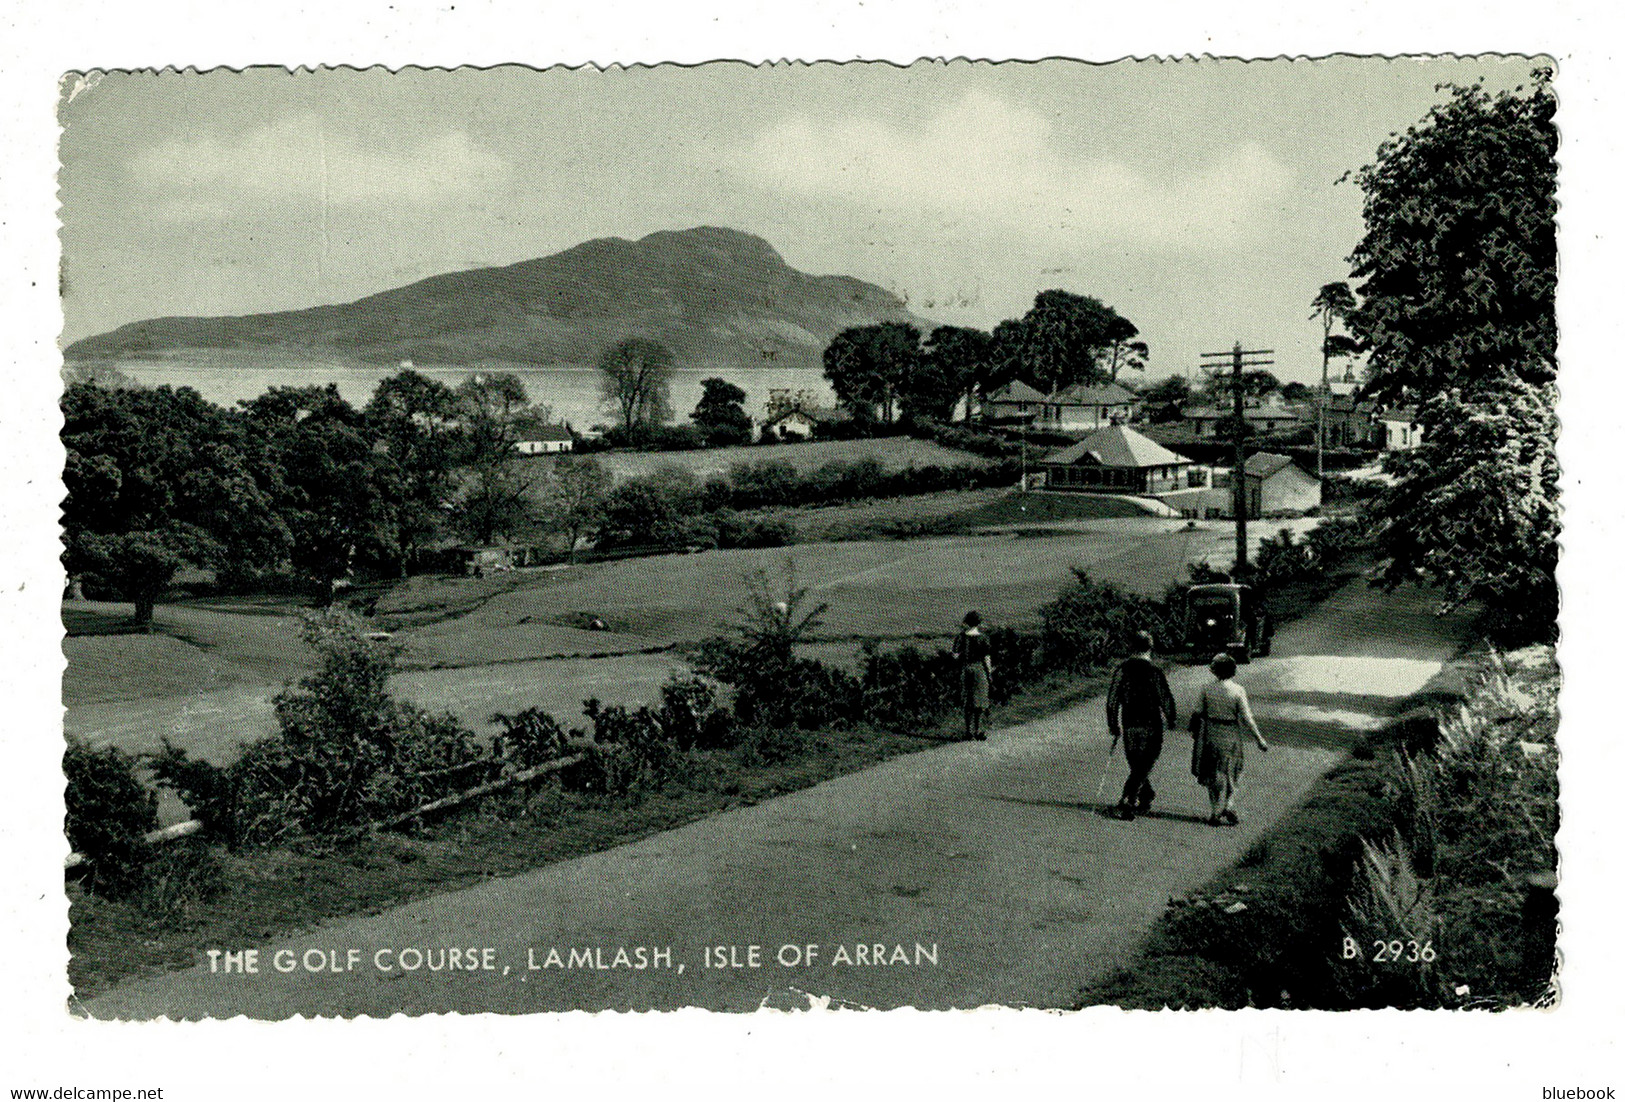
1016, 391
1107, 394
1118, 446
1264, 464
532, 430
1406, 414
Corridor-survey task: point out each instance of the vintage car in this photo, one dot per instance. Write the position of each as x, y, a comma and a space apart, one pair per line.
1227, 617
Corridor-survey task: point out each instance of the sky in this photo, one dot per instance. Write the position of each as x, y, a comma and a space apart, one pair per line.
1201, 199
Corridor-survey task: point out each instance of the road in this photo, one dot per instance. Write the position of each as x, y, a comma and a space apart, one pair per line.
983, 872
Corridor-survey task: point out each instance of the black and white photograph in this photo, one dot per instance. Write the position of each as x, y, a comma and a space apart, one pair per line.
807, 539
1031, 535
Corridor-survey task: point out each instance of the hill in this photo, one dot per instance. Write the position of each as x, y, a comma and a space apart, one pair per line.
712, 295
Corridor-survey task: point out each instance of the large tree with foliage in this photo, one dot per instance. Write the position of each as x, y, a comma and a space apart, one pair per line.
158, 480
1123, 350
418, 422
720, 413
1459, 257
961, 360
329, 484
496, 494
1063, 337
575, 497
1473, 508
869, 366
1457, 315
1165, 399
635, 378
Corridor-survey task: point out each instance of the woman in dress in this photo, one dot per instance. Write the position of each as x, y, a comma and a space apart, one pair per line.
1225, 711
974, 654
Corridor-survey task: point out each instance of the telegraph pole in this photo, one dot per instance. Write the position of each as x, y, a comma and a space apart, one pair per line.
1215, 362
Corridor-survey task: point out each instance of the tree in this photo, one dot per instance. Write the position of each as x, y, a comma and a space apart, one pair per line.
1296, 392
1459, 257
158, 480
416, 419
1473, 508
1332, 304
576, 496
964, 359
1123, 350
721, 414
497, 482
1166, 399
1062, 339
636, 380
1255, 384
867, 366
330, 486
1457, 316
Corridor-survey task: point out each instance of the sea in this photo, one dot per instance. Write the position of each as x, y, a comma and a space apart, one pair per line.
570, 392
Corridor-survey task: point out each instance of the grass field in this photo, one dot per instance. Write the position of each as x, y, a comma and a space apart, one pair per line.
892, 452
874, 589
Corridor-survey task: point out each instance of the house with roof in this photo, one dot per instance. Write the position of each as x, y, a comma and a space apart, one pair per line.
1085, 408
1277, 487
1117, 460
1013, 402
1208, 423
533, 437
1351, 422
1400, 432
1082, 407
802, 422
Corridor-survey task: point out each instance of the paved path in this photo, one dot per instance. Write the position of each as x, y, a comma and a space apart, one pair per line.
979, 873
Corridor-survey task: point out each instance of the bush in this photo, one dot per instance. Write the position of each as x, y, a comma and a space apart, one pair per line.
1018, 661
1336, 540
108, 812
531, 738
1284, 559
692, 718
346, 755
772, 745
807, 694
735, 531
665, 509
908, 688
1088, 624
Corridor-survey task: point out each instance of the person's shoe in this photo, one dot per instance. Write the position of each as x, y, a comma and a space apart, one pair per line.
1125, 812
1230, 816
1213, 820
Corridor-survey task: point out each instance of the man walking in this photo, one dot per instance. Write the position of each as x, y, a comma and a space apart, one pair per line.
1139, 708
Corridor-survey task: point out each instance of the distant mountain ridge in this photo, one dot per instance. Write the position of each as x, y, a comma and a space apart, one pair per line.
714, 296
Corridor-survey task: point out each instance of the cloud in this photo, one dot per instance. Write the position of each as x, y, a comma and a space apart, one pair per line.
298, 159
985, 159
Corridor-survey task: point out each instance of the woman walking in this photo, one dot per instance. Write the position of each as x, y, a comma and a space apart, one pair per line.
1224, 710
974, 654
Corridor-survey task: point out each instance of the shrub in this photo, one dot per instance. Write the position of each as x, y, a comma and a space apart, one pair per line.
178, 875
108, 812
908, 687
347, 754
808, 694
1018, 660
1336, 539
1284, 559
734, 531
664, 509
531, 737
1087, 624
772, 745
